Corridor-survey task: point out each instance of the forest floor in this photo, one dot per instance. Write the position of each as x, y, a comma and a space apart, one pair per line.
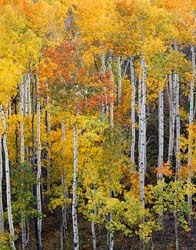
163, 240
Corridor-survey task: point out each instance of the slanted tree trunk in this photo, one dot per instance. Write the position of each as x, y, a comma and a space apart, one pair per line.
38, 187
132, 72
75, 191
172, 116
1, 189
7, 174
161, 131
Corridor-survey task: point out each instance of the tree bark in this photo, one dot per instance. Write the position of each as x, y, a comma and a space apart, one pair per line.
7, 173
142, 131
38, 185
191, 119
64, 226
22, 107
1, 188
132, 72
161, 132
119, 85
75, 190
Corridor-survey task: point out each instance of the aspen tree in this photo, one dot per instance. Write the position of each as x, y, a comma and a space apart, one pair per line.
132, 72
75, 190
104, 104
119, 83
7, 174
191, 119
111, 235
172, 115
38, 185
142, 131
1, 191
161, 131
48, 134
22, 108
64, 207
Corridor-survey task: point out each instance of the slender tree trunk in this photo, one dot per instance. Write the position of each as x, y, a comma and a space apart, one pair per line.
38, 187
48, 134
191, 119
104, 106
75, 190
7, 173
142, 159
1, 188
172, 116
161, 132
111, 235
22, 104
132, 72
177, 90
176, 229
94, 234
64, 207
119, 85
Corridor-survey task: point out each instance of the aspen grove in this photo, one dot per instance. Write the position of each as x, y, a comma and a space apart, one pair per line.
97, 124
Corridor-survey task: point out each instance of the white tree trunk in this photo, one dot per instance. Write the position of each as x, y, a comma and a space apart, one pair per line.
172, 116
142, 130
22, 108
64, 207
93, 235
1, 191
161, 132
28, 83
104, 106
119, 85
75, 191
177, 92
48, 134
7, 172
191, 119
132, 72
38, 185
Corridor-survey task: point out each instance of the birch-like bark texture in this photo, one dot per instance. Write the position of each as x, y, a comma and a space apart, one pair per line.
177, 92
75, 191
111, 235
191, 119
119, 83
112, 92
104, 106
172, 115
28, 83
94, 234
64, 207
1, 191
48, 134
7, 174
22, 108
142, 131
132, 72
161, 132
38, 185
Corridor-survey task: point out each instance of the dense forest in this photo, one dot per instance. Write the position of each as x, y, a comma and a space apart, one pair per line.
97, 124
